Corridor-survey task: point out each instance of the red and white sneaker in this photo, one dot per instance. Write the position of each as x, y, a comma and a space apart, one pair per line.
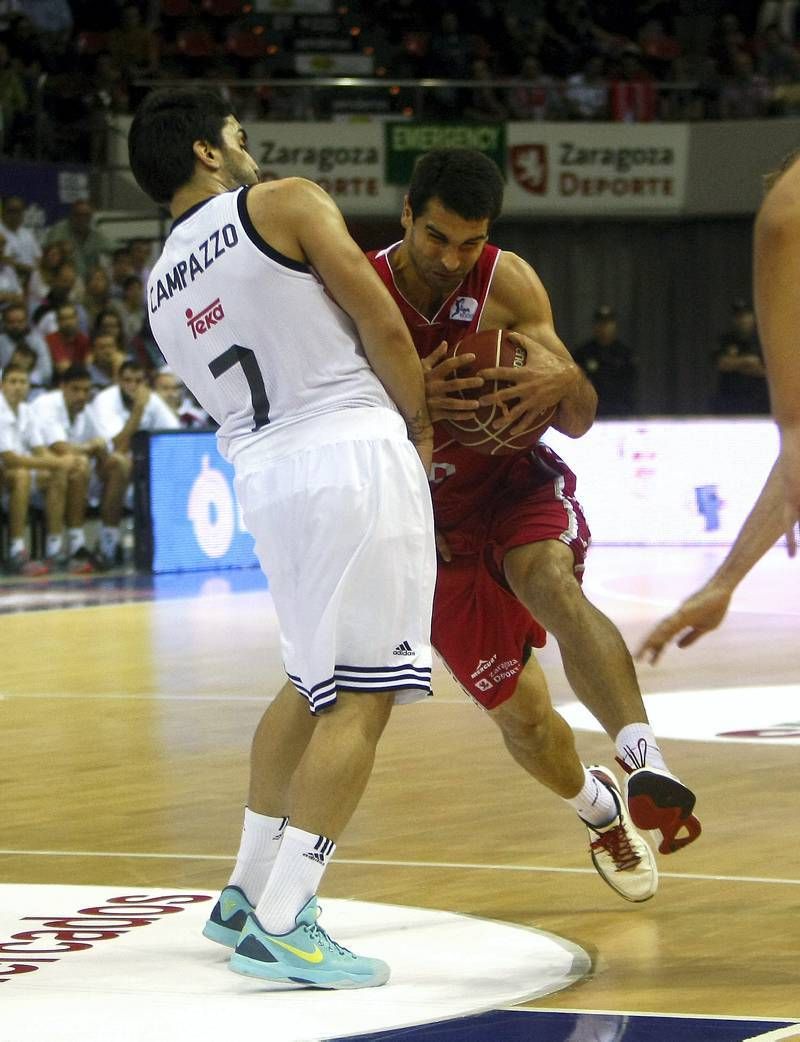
21, 564
658, 802
620, 855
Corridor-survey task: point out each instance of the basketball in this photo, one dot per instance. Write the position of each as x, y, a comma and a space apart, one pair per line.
492, 347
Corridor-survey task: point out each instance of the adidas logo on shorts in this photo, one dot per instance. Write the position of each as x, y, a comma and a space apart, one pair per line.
403, 649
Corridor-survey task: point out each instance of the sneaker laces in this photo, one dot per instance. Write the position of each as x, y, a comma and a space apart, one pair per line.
318, 935
617, 844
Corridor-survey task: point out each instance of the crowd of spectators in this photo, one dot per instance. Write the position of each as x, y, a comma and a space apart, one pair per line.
66, 66
80, 375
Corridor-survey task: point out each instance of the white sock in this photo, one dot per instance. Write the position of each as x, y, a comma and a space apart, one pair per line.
637, 746
16, 547
77, 540
594, 803
258, 848
54, 545
109, 540
295, 878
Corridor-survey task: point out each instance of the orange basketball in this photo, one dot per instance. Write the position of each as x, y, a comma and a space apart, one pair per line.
492, 348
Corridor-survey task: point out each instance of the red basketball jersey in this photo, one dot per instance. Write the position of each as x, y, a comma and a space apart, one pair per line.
462, 481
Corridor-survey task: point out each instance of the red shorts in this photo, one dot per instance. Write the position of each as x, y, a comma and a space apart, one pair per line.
483, 633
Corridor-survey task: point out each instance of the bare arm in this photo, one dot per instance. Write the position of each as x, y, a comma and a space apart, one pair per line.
705, 609
302, 221
122, 440
550, 377
776, 263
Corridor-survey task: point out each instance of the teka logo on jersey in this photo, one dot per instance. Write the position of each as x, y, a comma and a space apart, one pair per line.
530, 168
27, 950
205, 319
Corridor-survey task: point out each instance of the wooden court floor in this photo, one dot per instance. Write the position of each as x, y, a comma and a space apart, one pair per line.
124, 742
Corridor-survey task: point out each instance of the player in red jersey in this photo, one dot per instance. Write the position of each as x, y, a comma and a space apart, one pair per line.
512, 537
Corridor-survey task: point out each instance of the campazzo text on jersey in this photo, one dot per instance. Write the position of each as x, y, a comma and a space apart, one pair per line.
199, 260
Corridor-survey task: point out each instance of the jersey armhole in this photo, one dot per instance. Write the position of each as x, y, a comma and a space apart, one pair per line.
260, 243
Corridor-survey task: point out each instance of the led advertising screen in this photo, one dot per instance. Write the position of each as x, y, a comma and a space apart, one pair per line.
187, 515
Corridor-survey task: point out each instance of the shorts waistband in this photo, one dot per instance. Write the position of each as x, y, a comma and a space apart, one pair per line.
361, 424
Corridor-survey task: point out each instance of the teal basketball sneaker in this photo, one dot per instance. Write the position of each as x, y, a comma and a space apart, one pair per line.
305, 955
228, 917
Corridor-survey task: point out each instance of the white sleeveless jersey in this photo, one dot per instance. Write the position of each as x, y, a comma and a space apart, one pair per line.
253, 334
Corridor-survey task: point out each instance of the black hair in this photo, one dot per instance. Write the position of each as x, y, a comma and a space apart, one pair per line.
465, 181
130, 365
163, 133
13, 367
75, 372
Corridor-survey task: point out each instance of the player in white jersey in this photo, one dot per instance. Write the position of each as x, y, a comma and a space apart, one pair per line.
26, 466
275, 321
68, 428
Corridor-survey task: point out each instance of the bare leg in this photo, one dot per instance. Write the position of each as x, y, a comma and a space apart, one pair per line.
77, 492
19, 498
596, 661
333, 772
115, 474
281, 738
55, 500
539, 739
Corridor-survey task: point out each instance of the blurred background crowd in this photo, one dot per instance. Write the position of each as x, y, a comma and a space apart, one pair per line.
66, 65
73, 320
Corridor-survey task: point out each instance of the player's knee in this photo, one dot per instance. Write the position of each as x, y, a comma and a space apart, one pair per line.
524, 720
544, 579
119, 465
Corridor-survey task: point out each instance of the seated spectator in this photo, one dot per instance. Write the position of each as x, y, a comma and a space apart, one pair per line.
22, 246
744, 95
67, 428
16, 331
66, 288
586, 92
11, 289
132, 308
741, 378
108, 323
777, 60
610, 366
13, 101
104, 361
633, 97
121, 269
483, 103
538, 97
141, 254
29, 467
133, 45
68, 345
118, 413
91, 247
96, 295
41, 280
169, 388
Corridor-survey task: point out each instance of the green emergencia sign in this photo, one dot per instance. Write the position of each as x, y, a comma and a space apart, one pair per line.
406, 141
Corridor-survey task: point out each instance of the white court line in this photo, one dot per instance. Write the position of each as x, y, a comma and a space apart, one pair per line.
469, 865
174, 696
793, 1031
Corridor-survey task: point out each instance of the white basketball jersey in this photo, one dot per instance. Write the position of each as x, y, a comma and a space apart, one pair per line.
253, 334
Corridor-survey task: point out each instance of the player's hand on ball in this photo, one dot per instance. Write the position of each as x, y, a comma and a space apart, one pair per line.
535, 387
698, 614
441, 382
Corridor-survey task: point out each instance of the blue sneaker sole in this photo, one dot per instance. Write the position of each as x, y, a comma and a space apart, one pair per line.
331, 979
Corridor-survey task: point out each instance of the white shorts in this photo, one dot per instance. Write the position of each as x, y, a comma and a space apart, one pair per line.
344, 533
